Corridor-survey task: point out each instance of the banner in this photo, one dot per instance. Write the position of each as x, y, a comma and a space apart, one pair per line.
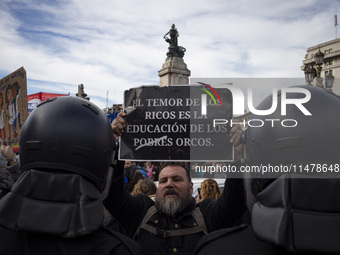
35, 99
13, 105
176, 123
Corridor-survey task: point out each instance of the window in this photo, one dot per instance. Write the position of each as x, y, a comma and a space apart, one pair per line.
328, 63
328, 51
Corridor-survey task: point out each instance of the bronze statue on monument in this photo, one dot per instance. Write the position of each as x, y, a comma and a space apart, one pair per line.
174, 49
174, 71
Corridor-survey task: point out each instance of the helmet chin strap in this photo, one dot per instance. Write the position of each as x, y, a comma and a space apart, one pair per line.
250, 198
109, 174
243, 142
108, 180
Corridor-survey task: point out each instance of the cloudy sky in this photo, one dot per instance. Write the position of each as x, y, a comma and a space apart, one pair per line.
111, 46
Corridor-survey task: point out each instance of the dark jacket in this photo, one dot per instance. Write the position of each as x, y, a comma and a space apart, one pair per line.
8, 175
236, 241
130, 211
57, 212
291, 216
102, 241
240, 240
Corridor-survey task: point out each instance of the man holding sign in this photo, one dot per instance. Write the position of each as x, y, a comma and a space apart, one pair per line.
173, 222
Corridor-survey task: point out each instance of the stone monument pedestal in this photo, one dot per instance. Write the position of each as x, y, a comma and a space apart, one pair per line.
174, 72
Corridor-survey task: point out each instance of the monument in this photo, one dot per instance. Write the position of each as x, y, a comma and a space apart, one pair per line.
81, 92
174, 71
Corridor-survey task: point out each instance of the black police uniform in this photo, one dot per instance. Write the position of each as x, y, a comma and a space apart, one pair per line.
239, 240
55, 207
291, 215
57, 213
102, 241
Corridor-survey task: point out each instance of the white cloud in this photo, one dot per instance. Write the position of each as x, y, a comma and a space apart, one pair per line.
115, 45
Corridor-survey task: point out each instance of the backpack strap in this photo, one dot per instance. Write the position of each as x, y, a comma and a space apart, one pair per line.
150, 212
197, 214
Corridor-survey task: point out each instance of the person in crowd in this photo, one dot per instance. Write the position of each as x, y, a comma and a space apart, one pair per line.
129, 172
154, 171
135, 178
9, 169
133, 173
9, 158
294, 210
173, 223
209, 189
128, 163
55, 206
145, 186
6, 181
141, 166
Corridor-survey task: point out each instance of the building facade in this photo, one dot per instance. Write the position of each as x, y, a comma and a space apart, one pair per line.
331, 63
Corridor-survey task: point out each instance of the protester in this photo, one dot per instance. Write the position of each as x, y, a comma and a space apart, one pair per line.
128, 164
141, 166
173, 223
66, 149
154, 171
9, 158
145, 186
6, 182
293, 211
133, 175
129, 172
9, 169
209, 189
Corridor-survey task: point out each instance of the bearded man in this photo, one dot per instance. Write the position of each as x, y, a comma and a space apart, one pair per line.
173, 223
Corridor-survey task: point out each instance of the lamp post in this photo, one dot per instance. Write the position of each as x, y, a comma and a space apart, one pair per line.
329, 82
318, 57
310, 74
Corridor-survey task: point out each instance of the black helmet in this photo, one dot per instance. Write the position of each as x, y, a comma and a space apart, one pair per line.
295, 138
68, 133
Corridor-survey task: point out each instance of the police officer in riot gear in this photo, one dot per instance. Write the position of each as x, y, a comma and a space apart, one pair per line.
55, 207
295, 209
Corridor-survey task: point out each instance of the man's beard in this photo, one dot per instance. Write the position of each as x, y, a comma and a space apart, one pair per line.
171, 206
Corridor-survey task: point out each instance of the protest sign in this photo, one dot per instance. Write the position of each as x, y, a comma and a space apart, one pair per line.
13, 105
176, 123
35, 99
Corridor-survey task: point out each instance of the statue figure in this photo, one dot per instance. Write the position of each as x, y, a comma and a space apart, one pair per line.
173, 36
174, 49
81, 92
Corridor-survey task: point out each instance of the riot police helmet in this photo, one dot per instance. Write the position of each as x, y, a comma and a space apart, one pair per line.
68, 134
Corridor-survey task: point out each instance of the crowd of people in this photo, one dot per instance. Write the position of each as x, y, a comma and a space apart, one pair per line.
52, 193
